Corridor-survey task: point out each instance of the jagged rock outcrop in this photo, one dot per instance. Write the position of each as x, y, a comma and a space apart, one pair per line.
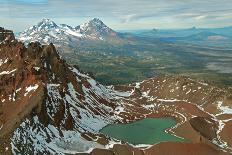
37, 85
23, 72
205, 126
6, 34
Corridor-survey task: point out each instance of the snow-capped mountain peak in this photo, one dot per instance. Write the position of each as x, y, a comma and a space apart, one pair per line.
98, 23
95, 27
93, 22
47, 31
44, 25
47, 24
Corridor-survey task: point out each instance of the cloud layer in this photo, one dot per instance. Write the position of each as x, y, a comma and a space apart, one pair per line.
120, 14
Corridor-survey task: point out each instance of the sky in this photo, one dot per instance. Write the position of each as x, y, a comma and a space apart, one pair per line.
118, 14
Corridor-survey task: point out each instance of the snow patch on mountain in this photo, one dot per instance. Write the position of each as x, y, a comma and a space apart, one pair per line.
82, 108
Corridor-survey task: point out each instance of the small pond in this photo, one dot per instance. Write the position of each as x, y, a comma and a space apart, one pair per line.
145, 131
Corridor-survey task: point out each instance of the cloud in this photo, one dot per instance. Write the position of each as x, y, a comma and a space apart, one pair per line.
120, 13
200, 17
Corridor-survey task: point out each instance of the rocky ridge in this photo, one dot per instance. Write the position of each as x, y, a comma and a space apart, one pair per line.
6, 34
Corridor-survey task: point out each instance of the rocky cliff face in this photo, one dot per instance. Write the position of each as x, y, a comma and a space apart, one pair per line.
6, 34
49, 107
43, 96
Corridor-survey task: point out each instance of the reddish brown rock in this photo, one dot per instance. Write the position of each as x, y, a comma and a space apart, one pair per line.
205, 126
126, 150
172, 148
6, 34
102, 152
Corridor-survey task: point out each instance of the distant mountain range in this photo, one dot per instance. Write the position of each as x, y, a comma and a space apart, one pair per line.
161, 33
67, 39
204, 36
94, 33
47, 31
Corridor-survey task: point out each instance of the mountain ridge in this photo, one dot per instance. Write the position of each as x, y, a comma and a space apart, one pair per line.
6, 35
47, 31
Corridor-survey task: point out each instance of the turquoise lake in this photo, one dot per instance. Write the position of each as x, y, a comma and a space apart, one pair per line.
145, 131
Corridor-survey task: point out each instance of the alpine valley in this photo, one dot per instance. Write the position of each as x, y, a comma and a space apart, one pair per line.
121, 57
50, 106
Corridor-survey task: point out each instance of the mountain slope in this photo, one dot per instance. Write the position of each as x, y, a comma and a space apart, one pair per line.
49, 107
57, 100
